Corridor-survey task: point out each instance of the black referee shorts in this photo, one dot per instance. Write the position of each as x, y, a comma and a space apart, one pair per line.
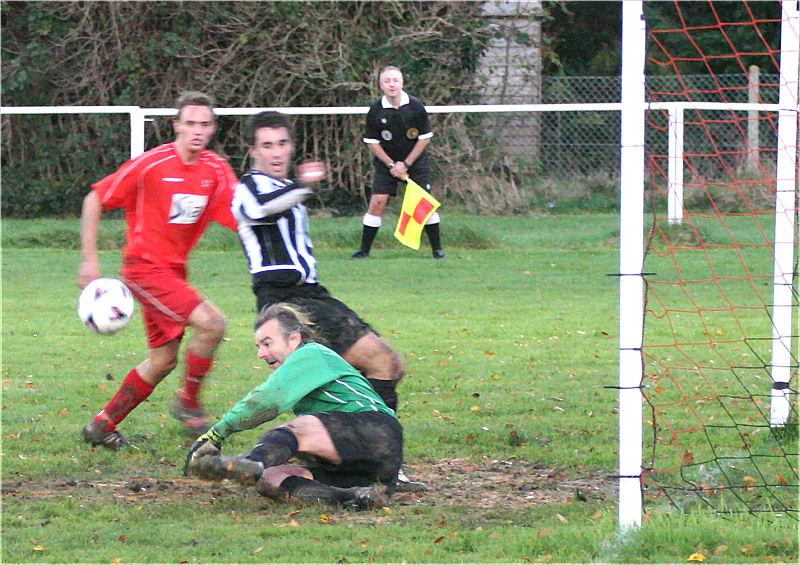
370, 445
336, 325
384, 183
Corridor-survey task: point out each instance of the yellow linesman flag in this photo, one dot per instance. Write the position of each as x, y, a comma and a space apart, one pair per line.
418, 206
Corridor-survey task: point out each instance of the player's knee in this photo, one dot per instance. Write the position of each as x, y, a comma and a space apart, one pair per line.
377, 204
397, 366
217, 327
305, 428
393, 366
209, 321
160, 367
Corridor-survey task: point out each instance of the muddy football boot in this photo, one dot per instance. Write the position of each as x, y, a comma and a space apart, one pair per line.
96, 434
238, 468
404, 484
365, 498
194, 419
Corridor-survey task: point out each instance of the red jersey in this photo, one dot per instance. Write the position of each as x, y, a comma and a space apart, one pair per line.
169, 203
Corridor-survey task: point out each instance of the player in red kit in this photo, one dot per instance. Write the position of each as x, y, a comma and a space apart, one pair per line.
170, 194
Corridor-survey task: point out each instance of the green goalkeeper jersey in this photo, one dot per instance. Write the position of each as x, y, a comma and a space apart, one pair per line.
312, 379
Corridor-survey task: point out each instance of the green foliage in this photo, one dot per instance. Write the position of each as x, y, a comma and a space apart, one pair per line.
583, 38
50, 162
146, 53
707, 33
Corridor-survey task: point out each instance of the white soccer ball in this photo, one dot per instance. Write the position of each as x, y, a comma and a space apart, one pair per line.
312, 176
106, 306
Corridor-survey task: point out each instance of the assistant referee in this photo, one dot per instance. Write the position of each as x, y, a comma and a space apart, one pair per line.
398, 132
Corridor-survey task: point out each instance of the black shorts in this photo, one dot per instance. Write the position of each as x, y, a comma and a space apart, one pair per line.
370, 445
335, 324
384, 183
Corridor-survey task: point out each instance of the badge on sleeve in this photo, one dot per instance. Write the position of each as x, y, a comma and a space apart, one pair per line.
412, 133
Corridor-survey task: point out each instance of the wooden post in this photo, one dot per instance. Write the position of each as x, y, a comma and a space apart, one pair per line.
753, 97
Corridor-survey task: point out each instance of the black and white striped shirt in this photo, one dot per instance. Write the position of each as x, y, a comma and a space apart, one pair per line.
273, 229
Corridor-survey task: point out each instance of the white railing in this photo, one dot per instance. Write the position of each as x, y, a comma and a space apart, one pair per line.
139, 116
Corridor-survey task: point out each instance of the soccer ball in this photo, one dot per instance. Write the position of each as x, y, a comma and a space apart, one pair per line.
106, 306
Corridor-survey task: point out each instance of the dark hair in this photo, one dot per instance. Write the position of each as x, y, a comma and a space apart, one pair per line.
290, 320
266, 119
191, 98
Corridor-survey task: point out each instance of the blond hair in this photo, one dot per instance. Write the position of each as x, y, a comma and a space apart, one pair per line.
290, 320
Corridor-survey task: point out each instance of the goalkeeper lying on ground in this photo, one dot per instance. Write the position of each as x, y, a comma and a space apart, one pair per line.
344, 434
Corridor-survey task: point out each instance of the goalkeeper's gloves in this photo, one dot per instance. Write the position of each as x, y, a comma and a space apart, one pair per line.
210, 443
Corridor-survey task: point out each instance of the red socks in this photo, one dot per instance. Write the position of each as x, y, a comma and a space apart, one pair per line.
134, 390
196, 369
131, 393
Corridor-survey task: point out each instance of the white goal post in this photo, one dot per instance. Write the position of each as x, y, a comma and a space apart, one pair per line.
785, 228
631, 261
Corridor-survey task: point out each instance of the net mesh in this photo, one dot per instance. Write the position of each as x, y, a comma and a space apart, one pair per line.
708, 342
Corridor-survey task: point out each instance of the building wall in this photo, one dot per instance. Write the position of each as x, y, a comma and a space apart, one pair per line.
510, 73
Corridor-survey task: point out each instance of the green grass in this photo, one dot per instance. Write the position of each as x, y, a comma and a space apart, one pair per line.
511, 346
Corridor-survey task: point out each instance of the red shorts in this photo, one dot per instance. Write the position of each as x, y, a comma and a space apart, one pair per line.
166, 297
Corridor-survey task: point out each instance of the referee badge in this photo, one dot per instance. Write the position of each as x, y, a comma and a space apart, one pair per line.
386, 135
412, 133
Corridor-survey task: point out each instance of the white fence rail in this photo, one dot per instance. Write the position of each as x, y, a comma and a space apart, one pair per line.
676, 141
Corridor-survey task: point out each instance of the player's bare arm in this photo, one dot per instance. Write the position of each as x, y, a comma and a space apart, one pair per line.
380, 153
406, 163
91, 215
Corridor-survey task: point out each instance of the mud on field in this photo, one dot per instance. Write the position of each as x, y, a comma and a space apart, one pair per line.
487, 485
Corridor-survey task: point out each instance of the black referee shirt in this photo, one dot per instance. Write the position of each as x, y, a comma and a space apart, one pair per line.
397, 129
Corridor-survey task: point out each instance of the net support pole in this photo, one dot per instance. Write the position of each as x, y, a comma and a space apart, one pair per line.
631, 281
753, 97
675, 166
783, 307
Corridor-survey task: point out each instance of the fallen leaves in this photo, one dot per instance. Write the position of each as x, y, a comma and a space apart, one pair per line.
291, 524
